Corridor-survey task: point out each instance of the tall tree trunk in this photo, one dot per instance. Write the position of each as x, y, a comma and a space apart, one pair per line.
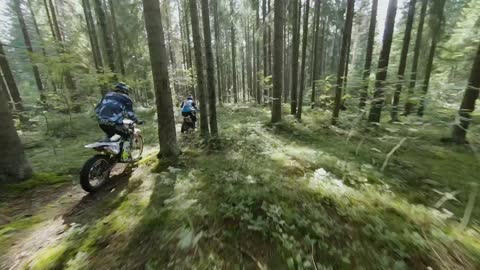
197, 47
265, 48
315, 51
92, 34
28, 44
189, 46
35, 25
116, 36
416, 57
279, 21
381, 76
218, 50
304, 59
437, 20
158, 58
56, 28
212, 109
234, 53
295, 54
347, 31
258, 70
10, 80
368, 58
14, 166
49, 18
248, 59
107, 38
468, 103
403, 59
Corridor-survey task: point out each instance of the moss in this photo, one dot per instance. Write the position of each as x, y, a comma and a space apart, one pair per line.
50, 258
37, 180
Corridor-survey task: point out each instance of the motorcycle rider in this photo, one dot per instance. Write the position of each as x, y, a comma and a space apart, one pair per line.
114, 107
189, 108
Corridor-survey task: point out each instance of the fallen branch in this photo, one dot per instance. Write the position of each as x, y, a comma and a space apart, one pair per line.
385, 163
470, 205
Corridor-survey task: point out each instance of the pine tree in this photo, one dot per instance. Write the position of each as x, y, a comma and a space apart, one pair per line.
197, 47
368, 58
468, 103
304, 59
295, 54
403, 59
212, 109
279, 20
381, 76
10, 80
347, 31
107, 38
163, 95
14, 165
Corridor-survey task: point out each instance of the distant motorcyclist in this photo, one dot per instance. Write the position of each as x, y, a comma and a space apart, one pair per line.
114, 107
189, 108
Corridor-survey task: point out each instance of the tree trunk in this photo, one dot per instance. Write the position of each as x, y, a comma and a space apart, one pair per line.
234, 53
379, 95
315, 51
28, 44
197, 47
265, 48
189, 48
258, 70
107, 38
304, 59
116, 36
416, 56
35, 25
295, 54
212, 109
49, 18
92, 34
437, 20
279, 21
368, 59
158, 58
248, 59
347, 31
468, 103
10, 80
403, 59
14, 166
218, 51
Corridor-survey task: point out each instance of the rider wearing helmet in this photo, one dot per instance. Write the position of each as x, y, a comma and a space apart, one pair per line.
115, 106
189, 108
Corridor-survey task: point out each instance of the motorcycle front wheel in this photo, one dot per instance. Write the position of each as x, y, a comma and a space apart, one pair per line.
95, 173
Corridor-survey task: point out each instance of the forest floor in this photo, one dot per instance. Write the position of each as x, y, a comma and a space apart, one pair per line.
291, 196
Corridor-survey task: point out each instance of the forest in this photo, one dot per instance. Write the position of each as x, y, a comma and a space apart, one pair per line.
331, 134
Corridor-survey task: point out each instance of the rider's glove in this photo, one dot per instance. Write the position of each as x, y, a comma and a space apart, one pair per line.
140, 122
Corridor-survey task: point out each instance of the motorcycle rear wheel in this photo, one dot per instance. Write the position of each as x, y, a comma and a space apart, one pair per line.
95, 172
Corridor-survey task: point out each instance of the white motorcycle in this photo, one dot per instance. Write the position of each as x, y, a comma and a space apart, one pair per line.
96, 171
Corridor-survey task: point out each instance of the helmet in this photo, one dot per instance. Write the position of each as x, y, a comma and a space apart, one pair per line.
190, 97
122, 87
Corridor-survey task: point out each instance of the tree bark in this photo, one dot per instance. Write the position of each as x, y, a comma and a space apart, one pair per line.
347, 31
107, 38
234, 53
403, 59
437, 20
379, 95
212, 109
368, 58
304, 59
92, 34
295, 55
14, 166
279, 21
218, 50
158, 58
416, 56
116, 36
10, 80
315, 51
468, 103
197, 47
258, 70
28, 44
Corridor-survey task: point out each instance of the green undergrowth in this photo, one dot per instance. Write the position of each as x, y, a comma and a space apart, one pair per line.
37, 180
266, 197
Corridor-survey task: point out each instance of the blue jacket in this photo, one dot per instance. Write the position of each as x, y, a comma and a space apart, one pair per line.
115, 107
188, 106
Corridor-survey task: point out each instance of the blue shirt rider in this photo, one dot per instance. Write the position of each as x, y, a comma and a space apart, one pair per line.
189, 108
114, 107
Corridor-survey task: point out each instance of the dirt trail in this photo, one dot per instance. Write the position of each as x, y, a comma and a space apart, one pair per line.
51, 211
